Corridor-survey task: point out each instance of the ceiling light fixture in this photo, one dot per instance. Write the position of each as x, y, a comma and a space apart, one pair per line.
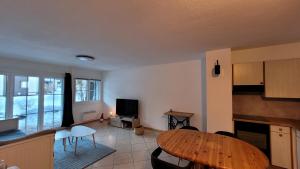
85, 57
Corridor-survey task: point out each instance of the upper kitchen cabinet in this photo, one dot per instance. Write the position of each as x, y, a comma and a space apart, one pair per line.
248, 73
282, 78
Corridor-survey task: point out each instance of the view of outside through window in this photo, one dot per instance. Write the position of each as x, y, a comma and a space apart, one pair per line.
26, 99
26, 102
81, 90
94, 90
2, 96
53, 102
87, 90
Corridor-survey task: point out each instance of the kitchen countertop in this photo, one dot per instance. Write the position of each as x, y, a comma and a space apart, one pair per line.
268, 120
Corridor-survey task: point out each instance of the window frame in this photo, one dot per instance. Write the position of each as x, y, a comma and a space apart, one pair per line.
53, 94
38, 94
5, 93
88, 90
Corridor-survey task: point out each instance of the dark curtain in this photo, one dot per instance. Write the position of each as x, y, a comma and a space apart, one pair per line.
67, 119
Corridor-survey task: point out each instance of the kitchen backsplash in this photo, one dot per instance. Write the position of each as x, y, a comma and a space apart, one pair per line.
259, 106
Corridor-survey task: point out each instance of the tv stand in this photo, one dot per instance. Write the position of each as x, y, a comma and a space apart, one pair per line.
124, 122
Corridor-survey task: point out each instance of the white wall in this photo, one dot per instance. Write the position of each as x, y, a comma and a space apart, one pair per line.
275, 52
21, 67
218, 91
158, 88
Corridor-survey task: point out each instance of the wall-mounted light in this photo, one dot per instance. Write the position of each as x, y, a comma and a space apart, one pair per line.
217, 69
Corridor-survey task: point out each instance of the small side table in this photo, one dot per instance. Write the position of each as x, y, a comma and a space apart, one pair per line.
82, 131
173, 121
63, 134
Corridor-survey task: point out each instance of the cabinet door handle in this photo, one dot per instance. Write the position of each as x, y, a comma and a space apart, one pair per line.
280, 129
280, 135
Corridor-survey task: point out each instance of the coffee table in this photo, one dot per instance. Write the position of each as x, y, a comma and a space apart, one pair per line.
63, 134
82, 131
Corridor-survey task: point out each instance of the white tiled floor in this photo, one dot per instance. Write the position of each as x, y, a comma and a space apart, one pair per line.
133, 152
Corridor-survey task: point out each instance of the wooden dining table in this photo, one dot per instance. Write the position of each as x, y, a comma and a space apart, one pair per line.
212, 150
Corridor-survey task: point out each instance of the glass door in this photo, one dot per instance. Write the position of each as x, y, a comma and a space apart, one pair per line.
53, 102
2, 96
26, 102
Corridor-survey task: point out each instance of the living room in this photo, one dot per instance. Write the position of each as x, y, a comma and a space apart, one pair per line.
65, 68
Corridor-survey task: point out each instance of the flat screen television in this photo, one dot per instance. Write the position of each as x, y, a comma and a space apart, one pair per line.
127, 107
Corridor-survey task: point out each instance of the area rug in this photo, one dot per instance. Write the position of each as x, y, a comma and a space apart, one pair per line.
86, 154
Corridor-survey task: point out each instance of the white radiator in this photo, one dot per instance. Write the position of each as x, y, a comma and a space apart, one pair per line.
91, 115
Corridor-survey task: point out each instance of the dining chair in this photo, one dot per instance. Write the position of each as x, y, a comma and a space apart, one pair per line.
225, 133
190, 128
160, 164
187, 128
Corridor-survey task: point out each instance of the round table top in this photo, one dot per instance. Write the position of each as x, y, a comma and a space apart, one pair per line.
62, 134
213, 150
81, 131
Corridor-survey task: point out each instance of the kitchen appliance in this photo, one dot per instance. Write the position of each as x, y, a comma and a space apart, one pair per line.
254, 133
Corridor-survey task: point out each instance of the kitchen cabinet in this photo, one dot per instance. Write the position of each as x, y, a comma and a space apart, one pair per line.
281, 152
282, 78
298, 148
248, 73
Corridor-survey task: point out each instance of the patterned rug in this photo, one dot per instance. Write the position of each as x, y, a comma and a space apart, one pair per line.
86, 154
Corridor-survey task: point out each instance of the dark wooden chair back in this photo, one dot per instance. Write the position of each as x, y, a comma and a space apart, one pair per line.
160, 164
225, 133
190, 128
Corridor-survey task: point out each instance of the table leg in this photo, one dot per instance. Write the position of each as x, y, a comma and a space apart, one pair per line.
188, 121
94, 140
76, 139
169, 126
64, 143
69, 140
171, 122
174, 125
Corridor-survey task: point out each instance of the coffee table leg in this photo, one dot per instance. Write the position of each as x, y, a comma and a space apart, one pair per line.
64, 143
69, 140
76, 139
94, 140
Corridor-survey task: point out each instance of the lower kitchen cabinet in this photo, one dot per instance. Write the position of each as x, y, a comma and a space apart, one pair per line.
281, 149
298, 148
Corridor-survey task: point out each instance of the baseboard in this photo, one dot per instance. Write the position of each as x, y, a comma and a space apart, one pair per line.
79, 123
84, 122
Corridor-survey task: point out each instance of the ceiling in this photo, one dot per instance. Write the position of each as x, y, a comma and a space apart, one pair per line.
127, 33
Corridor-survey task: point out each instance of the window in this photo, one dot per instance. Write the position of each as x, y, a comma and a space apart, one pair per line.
94, 90
2, 96
53, 102
26, 102
87, 90
36, 101
81, 90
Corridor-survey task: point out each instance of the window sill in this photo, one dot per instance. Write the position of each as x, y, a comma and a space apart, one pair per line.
87, 102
